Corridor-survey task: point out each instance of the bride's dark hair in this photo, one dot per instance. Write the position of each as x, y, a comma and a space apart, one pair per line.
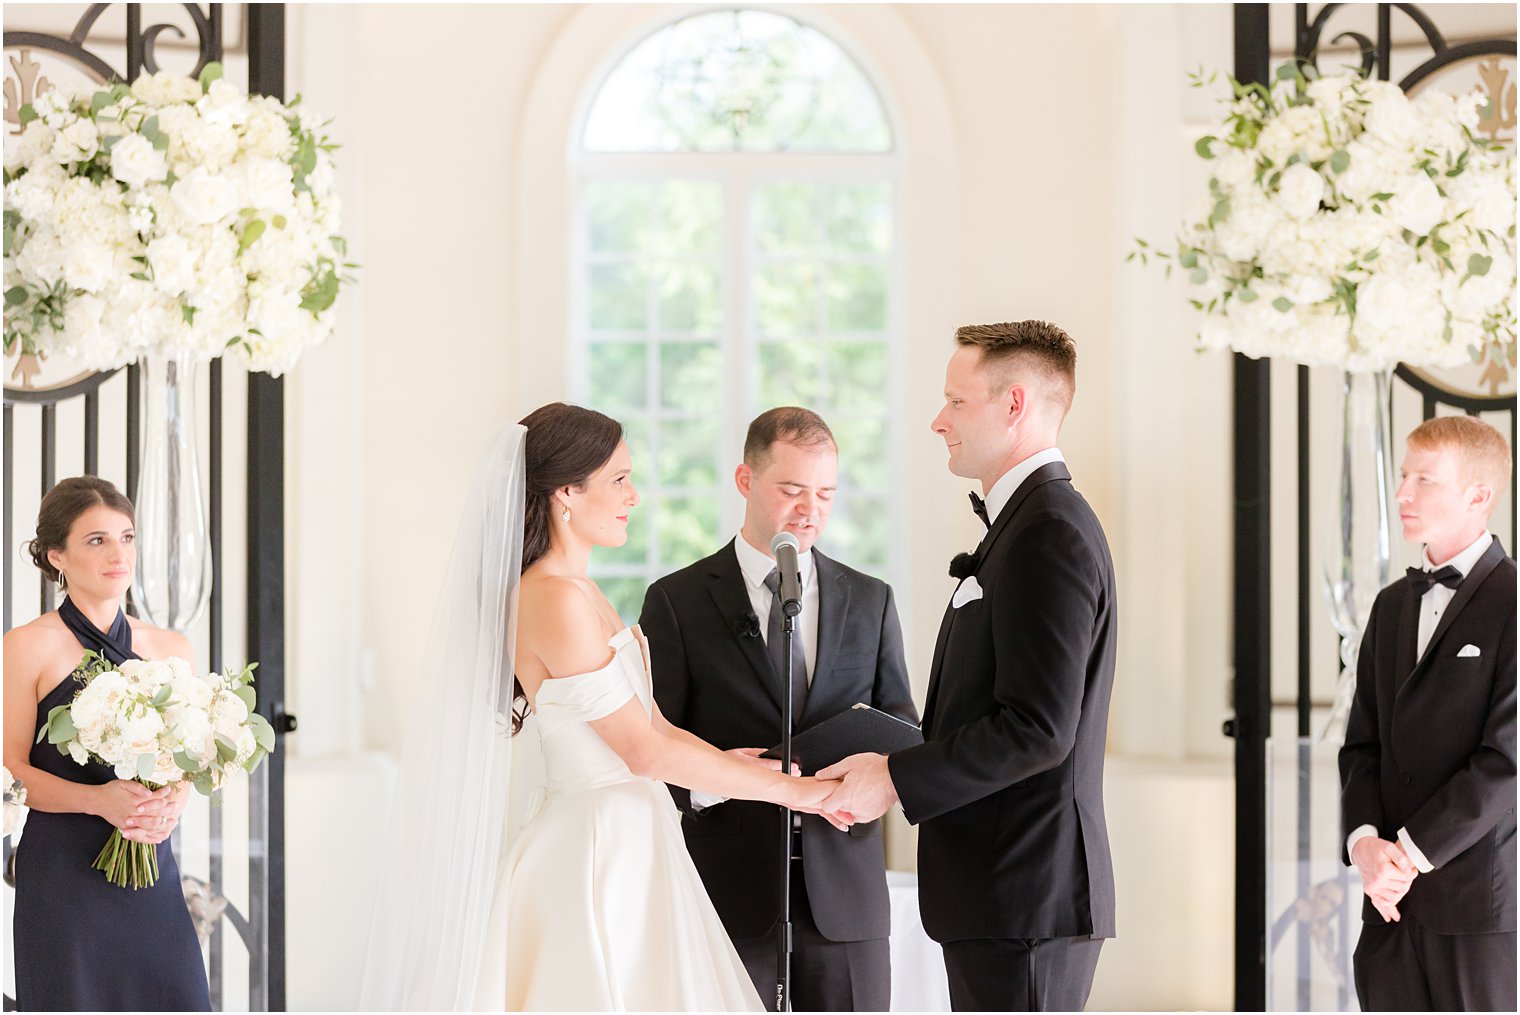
564, 446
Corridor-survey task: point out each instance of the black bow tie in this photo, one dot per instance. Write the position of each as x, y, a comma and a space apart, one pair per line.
1423, 581
980, 507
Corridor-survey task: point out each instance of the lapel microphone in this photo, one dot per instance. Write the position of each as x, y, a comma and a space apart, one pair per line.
785, 548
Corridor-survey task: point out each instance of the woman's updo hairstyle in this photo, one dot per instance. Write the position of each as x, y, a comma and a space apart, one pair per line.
565, 445
61, 508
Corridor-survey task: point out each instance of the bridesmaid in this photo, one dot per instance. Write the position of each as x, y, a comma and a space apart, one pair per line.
82, 943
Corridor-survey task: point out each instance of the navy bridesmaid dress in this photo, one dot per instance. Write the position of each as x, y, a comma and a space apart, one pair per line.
82, 943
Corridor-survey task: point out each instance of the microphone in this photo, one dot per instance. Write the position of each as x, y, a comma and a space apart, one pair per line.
785, 547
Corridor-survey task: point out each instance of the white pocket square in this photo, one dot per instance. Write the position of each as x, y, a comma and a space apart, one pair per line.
968, 591
1468, 652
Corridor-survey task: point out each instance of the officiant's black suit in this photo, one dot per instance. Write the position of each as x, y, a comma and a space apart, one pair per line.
1015, 879
713, 677
1430, 748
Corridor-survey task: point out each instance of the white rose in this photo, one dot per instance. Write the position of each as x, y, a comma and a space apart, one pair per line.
78, 753
1391, 119
204, 198
1417, 204
98, 700
32, 195
1300, 191
78, 142
173, 263
135, 162
193, 734
266, 184
140, 730
246, 744
191, 691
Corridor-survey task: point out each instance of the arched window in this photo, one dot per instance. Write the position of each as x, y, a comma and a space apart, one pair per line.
735, 249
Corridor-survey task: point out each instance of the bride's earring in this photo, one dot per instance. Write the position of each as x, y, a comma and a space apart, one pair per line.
564, 516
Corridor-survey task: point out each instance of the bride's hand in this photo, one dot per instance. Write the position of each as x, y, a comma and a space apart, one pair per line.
752, 755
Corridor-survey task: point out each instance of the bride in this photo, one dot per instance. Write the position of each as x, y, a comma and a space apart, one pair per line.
594, 904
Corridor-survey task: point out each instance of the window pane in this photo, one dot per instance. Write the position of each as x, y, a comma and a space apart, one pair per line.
788, 373
860, 218
618, 379
857, 297
858, 531
863, 455
689, 297
636, 434
691, 217
786, 218
690, 376
743, 80
858, 376
786, 298
688, 452
688, 530
619, 297
617, 216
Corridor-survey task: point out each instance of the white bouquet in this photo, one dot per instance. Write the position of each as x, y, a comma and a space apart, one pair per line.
1351, 225
156, 722
169, 216
15, 800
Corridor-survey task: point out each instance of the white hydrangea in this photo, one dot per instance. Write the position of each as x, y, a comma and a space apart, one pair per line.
1348, 225
193, 191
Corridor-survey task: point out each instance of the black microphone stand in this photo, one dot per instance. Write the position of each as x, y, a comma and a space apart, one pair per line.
789, 609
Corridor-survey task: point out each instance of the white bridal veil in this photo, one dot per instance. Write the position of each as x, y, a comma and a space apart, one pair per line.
448, 823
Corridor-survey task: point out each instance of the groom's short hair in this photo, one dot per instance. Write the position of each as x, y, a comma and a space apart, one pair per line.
1011, 350
789, 424
1481, 452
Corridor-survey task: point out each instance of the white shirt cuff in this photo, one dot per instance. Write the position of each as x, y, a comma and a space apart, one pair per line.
1357, 835
701, 801
1421, 864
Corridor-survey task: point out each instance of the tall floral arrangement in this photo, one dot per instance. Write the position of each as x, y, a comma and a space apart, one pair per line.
1348, 224
170, 216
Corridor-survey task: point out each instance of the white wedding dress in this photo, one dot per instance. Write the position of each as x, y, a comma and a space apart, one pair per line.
598, 906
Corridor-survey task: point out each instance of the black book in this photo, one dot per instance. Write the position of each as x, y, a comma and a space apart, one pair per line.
859, 729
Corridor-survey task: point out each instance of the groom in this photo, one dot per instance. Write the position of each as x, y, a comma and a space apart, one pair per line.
1015, 879
713, 635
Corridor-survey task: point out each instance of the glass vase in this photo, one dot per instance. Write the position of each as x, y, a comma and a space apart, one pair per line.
1358, 550
173, 582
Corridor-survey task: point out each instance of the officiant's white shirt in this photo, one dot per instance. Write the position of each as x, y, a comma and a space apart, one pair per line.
755, 565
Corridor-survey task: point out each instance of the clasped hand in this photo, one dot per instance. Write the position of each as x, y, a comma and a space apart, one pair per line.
1387, 872
806, 794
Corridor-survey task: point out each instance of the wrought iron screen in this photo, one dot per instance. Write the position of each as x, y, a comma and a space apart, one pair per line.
61, 422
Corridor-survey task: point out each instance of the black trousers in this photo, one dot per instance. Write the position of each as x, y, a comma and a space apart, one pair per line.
1403, 967
1021, 974
826, 975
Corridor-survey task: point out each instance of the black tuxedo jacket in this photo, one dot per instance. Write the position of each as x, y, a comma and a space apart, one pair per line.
1430, 747
1008, 786
719, 683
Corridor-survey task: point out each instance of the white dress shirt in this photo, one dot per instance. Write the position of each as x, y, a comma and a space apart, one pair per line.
1008, 482
1432, 605
755, 565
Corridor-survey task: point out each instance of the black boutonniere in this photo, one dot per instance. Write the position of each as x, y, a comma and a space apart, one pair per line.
747, 625
963, 565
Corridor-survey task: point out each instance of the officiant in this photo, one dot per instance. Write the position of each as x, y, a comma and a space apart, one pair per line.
714, 635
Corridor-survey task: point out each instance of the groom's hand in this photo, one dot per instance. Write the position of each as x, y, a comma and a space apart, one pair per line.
865, 792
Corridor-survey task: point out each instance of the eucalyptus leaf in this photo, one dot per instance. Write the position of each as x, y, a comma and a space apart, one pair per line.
162, 696
60, 726
1477, 264
145, 764
1340, 161
1203, 146
186, 763
210, 73
1282, 304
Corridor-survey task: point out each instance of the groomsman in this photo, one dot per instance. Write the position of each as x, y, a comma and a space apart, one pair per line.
1428, 767
713, 631
1015, 879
